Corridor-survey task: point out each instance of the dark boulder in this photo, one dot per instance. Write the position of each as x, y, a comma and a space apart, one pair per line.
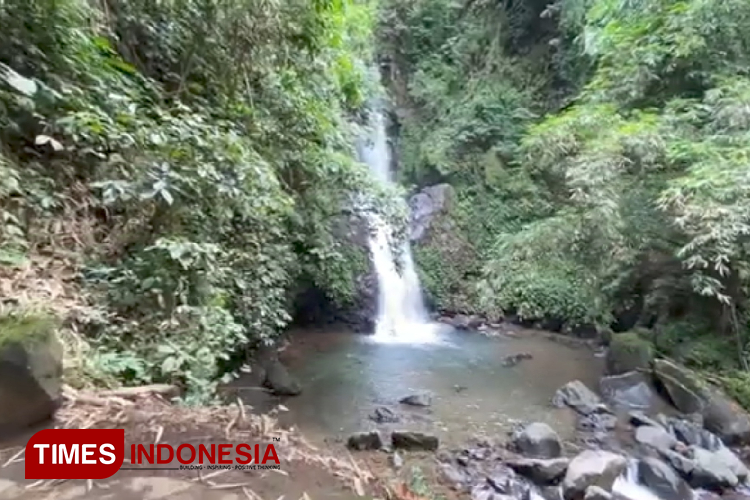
420, 399
628, 352
279, 381
631, 390
362, 441
576, 395
540, 471
662, 480
537, 440
690, 394
30, 373
384, 415
414, 441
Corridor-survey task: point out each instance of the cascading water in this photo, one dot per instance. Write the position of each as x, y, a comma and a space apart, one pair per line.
402, 315
628, 486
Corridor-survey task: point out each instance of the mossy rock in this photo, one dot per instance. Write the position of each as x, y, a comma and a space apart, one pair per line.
25, 329
629, 352
30, 371
690, 393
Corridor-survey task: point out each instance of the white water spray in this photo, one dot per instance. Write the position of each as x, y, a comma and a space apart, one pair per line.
628, 487
402, 315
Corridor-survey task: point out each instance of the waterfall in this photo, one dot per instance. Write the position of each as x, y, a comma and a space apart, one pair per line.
628, 487
402, 315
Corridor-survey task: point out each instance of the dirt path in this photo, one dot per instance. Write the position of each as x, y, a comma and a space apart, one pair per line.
306, 472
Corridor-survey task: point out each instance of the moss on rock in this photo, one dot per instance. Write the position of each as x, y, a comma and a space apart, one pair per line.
447, 261
629, 351
25, 328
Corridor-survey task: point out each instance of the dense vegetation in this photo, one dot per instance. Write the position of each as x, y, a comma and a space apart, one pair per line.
173, 173
170, 169
599, 150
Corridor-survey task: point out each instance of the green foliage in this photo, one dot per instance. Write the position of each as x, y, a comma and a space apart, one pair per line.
213, 143
25, 327
737, 385
629, 192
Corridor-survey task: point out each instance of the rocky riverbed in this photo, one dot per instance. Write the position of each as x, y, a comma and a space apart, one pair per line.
491, 416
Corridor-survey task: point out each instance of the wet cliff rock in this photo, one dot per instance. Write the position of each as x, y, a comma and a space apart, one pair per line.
444, 254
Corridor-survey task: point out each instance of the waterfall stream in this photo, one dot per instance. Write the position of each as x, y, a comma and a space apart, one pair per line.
402, 315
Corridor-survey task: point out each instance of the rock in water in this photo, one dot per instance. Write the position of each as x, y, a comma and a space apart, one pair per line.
514, 359
579, 397
540, 471
682, 464
638, 418
538, 440
597, 493
361, 441
422, 399
414, 441
30, 373
693, 434
655, 437
279, 381
662, 480
711, 472
630, 390
592, 468
728, 458
384, 415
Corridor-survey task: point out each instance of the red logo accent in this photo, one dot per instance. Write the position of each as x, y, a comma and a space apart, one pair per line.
75, 453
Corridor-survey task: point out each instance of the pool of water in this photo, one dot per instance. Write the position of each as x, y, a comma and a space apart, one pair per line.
346, 376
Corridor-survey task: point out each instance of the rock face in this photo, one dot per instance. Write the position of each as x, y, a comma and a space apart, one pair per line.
662, 480
538, 440
426, 206
576, 395
443, 251
628, 352
312, 305
690, 394
30, 379
592, 468
631, 390
414, 441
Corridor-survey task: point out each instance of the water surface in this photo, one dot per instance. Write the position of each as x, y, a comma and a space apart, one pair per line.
346, 376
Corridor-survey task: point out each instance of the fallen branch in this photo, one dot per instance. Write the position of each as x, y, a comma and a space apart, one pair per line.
165, 390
